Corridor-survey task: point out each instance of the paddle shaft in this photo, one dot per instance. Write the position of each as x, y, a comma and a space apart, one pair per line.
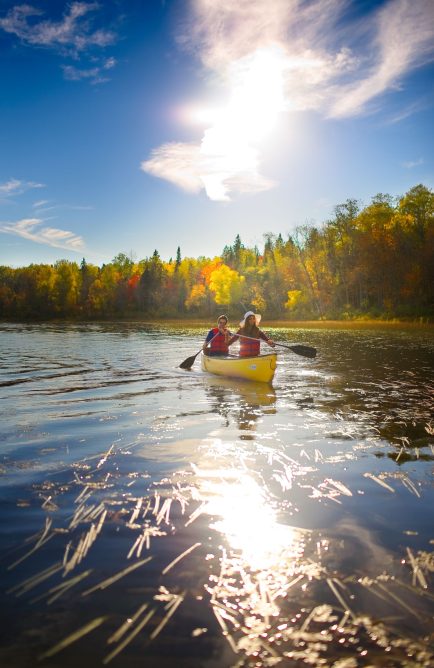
211, 340
188, 363
306, 351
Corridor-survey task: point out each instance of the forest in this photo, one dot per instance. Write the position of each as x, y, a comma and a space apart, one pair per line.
373, 261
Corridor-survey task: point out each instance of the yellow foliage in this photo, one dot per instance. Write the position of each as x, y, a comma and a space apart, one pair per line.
294, 298
227, 285
196, 297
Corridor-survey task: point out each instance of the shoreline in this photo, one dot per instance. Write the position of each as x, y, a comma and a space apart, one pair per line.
421, 323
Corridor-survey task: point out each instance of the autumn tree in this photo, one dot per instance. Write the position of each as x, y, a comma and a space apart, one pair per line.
375, 260
227, 286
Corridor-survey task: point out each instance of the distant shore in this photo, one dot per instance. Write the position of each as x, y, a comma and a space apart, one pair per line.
422, 322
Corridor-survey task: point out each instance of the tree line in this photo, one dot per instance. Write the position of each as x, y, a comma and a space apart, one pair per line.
371, 261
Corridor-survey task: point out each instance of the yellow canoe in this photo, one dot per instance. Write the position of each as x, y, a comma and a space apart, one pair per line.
260, 369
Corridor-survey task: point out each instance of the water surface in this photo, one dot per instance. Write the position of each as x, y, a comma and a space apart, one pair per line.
155, 516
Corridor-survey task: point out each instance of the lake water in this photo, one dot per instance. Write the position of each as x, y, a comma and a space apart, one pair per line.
153, 516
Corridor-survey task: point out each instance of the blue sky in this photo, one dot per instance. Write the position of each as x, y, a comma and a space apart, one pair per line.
129, 126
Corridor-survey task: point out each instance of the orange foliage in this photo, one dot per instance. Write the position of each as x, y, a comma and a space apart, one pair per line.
208, 269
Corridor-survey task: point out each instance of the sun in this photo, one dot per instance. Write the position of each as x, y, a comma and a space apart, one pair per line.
236, 131
257, 93
255, 86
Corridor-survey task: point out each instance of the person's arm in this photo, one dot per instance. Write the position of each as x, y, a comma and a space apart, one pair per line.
233, 338
265, 338
209, 337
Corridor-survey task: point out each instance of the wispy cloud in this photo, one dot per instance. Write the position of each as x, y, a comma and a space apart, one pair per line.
402, 38
411, 164
95, 75
17, 187
73, 31
73, 35
44, 205
406, 111
30, 228
333, 63
274, 57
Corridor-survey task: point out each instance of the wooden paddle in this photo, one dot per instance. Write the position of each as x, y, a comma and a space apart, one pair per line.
188, 363
305, 351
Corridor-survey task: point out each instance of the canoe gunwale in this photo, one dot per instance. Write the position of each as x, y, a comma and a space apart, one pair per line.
231, 358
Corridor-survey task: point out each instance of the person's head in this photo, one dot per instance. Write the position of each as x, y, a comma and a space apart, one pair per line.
222, 320
250, 319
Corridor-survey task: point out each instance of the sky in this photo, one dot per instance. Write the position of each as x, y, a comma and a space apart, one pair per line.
140, 125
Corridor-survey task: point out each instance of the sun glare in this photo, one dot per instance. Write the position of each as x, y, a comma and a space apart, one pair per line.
230, 144
237, 129
256, 98
258, 93
247, 519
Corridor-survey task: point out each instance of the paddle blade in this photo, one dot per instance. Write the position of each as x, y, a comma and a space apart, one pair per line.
306, 351
188, 363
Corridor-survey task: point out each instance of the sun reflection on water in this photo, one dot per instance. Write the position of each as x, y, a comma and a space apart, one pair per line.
248, 520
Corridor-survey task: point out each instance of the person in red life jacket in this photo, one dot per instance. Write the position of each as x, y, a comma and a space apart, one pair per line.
216, 342
250, 346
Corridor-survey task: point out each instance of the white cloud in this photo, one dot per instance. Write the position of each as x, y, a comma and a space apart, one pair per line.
17, 187
29, 228
178, 163
73, 31
193, 170
332, 64
73, 35
96, 74
403, 40
42, 206
301, 55
411, 164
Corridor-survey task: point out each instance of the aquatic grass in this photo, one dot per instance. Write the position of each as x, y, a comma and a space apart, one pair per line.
173, 563
379, 481
72, 638
42, 540
195, 514
114, 578
418, 575
171, 608
245, 637
130, 636
56, 592
34, 580
115, 637
144, 540
86, 540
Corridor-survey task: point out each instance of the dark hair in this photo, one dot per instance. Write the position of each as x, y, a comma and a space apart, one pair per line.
252, 330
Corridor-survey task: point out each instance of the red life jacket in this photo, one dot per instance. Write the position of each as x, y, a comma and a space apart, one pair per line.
219, 344
249, 348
